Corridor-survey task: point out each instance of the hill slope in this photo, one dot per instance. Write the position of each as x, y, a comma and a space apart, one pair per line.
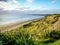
45, 31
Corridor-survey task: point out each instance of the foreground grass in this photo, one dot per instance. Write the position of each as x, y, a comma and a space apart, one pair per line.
39, 32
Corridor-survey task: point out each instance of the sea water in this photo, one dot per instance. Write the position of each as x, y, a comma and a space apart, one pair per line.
5, 19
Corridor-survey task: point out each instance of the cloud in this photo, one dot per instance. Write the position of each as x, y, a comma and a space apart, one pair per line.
30, 1
9, 4
54, 1
12, 5
15, 2
23, 8
6, 6
3, 0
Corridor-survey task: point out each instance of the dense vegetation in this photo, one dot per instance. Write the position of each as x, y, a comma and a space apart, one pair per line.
45, 31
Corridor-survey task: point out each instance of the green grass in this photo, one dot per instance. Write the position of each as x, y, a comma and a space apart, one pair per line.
39, 32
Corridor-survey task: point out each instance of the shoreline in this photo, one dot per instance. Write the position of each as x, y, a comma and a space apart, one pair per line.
12, 26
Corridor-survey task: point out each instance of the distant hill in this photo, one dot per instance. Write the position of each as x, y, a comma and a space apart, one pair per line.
45, 31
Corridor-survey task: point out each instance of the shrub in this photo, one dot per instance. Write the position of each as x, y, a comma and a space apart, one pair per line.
55, 34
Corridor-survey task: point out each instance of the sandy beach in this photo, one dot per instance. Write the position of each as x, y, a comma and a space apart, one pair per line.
12, 26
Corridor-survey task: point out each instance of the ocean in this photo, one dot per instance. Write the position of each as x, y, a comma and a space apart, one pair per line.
6, 19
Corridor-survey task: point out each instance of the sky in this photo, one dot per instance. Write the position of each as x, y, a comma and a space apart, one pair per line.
23, 5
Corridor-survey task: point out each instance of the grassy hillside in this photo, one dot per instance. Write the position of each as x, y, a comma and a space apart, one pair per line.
45, 31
